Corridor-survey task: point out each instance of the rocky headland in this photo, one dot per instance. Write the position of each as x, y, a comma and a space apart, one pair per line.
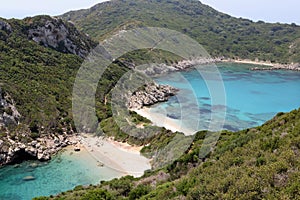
150, 94
158, 69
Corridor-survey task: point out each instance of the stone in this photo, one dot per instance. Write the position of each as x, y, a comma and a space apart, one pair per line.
76, 149
31, 151
33, 165
5, 26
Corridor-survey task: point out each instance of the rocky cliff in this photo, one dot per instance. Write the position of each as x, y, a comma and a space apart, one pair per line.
59, 35
18, 142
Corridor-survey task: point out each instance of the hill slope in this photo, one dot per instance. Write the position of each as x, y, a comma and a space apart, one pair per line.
257, 163
220, 34
38, 63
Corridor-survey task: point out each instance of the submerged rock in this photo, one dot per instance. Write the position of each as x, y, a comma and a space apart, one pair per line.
28, 178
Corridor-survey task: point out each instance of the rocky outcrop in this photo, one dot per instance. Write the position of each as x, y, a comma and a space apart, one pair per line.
9, 115
15, 150
59, 35
158, 69
16, 142
150, 94
4, 26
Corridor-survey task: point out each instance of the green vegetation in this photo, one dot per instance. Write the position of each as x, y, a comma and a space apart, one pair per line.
257, 163
40, 81
220, 34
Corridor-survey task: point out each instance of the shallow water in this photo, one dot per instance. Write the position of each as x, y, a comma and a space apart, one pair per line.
65, 171
252, 97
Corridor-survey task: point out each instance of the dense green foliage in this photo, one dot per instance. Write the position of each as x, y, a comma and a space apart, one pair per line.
220, 34
257, 163
39, 79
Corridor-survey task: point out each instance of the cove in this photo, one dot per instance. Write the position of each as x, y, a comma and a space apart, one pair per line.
65, 171
252, 97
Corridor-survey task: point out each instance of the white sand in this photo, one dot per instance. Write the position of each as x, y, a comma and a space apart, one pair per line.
163, 121
118, 156
251, 62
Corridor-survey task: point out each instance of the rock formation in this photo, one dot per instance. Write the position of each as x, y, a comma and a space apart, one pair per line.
59, 35
4, 26
16, 145
150, 94
158, 69
9, 114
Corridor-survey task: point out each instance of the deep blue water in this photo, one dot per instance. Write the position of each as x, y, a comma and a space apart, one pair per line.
251, 97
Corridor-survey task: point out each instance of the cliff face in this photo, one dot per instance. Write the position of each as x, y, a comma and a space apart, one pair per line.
9, 115
59, 35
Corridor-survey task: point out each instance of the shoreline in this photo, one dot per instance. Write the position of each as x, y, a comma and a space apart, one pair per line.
268, 66
118, 156
163, 121
251, 62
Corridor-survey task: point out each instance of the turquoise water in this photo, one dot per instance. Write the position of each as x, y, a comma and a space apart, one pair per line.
252, 97
67, 170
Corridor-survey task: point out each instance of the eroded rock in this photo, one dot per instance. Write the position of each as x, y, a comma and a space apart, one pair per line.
151, 94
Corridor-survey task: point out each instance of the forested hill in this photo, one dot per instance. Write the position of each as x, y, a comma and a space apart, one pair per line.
39, 59
219, 33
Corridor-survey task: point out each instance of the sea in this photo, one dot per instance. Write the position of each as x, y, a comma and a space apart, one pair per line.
235, 97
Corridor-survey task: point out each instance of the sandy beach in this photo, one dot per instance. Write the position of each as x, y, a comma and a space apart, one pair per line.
118, 156
269, 64
163, 121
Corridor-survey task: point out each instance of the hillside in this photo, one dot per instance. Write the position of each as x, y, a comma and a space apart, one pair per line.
220, 34
40, 57
39, 60
257, 163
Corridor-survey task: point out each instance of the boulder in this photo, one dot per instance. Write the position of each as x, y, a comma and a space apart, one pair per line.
5, 26
31, 151
76, 148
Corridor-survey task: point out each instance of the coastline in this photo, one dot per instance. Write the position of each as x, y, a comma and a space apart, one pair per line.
118, 156
163, 121
268, 66
251, 62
